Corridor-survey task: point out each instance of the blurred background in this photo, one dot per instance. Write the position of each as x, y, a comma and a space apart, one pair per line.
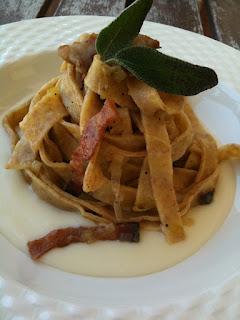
218, 19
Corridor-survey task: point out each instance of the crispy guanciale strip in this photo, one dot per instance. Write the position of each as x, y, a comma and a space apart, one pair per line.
92, 134
63, 237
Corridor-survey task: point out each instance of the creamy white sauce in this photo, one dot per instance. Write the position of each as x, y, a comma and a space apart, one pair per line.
24, 217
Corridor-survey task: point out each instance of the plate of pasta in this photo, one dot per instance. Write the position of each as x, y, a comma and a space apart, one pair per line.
117, 190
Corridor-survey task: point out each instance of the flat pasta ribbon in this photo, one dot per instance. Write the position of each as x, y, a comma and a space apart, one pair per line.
97, 141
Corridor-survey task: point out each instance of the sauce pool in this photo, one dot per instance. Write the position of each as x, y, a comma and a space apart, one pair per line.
24, 217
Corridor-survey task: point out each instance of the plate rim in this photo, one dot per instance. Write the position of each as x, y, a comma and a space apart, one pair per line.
103, 18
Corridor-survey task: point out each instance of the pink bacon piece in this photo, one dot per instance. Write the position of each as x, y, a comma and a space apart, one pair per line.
63, 237
92, 135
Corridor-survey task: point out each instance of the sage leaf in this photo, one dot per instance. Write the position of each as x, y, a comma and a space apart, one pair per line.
121, 32
164, 72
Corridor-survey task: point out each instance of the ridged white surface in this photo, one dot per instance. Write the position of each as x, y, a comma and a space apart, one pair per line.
19, 303
30, 37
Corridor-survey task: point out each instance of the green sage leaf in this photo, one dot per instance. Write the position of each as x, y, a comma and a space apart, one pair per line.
164, 72
121, 32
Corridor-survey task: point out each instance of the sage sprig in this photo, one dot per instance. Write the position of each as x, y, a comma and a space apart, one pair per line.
121, 32
165, 73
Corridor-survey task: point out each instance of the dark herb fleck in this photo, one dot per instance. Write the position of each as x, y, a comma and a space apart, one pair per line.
73, 189
180, 163
206, 198
108, 129
129, 232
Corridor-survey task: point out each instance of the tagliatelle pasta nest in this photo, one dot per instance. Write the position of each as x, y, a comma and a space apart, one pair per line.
98, 141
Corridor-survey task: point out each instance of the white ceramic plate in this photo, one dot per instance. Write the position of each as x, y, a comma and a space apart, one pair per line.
204, 286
